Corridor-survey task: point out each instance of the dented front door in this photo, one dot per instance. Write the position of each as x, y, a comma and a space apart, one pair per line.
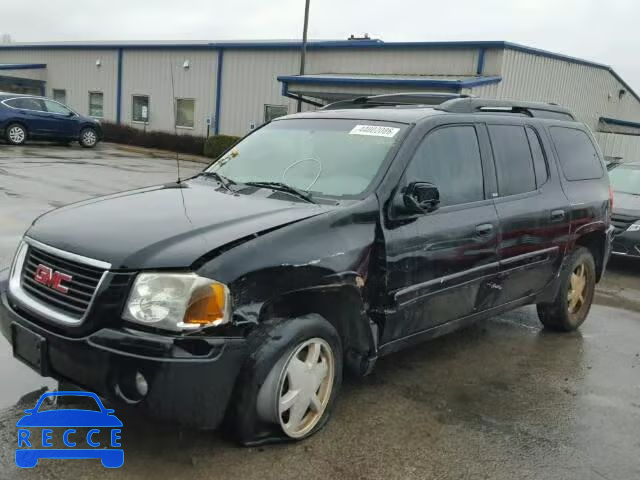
439, 265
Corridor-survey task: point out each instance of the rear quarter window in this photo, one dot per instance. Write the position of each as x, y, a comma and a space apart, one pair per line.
578, 156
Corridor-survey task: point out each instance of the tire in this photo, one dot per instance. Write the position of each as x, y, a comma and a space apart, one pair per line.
88, 137
571, 306
280, 353
16, 134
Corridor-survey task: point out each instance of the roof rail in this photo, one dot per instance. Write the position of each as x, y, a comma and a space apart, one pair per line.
396, 99
531, 109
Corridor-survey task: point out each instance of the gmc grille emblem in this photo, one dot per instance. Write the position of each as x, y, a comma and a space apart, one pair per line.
52, 279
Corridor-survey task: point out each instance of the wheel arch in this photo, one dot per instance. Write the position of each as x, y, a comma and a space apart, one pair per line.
20, 122
344, 308
594, 240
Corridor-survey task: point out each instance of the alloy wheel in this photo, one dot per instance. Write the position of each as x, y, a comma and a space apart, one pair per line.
89, 138
577, 289
17, 134
305, 386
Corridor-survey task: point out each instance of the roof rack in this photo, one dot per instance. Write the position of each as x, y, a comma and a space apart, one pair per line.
531, 109
396, 99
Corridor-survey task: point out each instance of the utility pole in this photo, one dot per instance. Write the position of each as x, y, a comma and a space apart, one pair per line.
303, 53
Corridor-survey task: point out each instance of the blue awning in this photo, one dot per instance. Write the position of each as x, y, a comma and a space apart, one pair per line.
420, 81
332, 87
22, 66
621, 123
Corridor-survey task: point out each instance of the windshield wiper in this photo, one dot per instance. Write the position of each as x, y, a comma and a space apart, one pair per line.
283, 187
221, 179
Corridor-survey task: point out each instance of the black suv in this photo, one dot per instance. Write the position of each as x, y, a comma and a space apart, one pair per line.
320, 242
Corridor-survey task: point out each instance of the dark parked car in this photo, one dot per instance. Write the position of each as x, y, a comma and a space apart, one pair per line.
322, 241
25, 117
625, 182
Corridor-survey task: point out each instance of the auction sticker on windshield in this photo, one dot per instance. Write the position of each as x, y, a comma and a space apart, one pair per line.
374, 131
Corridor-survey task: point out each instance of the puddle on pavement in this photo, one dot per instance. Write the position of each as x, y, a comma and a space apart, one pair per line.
18, 380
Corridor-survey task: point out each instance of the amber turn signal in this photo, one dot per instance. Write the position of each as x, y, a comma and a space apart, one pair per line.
208, 305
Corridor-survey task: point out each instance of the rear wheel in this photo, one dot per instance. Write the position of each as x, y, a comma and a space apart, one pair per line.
16, 134
571, 306
88, 137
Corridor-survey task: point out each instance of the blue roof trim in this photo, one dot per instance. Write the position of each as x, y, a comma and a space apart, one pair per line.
22, 66
317, 44
406, 82
622, 123
329, 44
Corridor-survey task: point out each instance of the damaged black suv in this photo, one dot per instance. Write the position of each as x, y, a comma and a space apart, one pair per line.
320, 242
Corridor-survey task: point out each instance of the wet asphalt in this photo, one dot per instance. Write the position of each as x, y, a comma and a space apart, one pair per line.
502, 399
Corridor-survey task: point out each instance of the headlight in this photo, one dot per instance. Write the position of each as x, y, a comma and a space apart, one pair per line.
635, 227
177, 301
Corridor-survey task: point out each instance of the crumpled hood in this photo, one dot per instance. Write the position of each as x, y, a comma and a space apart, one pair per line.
167, 226
626, 204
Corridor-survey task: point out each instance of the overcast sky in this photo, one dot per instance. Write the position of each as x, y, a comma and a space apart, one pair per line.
605, 31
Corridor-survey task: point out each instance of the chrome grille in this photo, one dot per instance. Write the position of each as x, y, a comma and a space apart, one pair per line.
66, 301
82, 286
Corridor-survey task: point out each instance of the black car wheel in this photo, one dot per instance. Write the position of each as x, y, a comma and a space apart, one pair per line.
88, 137
571, 306
16, 134
288, 387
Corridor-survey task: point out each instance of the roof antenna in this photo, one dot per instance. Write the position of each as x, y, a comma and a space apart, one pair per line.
175, 127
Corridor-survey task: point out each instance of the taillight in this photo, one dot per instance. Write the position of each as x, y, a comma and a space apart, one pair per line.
610, 199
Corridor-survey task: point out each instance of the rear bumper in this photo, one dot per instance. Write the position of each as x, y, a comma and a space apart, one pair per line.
190, 380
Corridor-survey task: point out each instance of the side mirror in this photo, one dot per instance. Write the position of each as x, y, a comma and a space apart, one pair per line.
71, 114
421, 197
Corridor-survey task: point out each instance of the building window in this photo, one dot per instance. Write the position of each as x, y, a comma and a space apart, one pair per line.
272, 112
140, 112
185, 112
60, 95
96, 104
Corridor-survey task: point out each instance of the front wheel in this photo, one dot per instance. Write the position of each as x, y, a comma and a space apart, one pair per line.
88, 137
288, 388
571, 306
16, 134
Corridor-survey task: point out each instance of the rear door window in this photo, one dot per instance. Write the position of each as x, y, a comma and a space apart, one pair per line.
514, 163
578, 157
27, 103
450, 159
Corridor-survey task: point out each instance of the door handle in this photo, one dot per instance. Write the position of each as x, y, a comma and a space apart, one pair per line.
557, 215
484, 230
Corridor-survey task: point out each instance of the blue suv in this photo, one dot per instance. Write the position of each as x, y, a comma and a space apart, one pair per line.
24, 117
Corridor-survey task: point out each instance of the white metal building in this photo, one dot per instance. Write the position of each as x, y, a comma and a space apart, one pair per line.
240, 85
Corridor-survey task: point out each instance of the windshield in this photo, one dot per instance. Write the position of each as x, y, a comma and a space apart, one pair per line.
625, 180
324, 156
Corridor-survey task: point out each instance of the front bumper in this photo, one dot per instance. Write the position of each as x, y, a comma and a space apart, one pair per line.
190, 380
626, 244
